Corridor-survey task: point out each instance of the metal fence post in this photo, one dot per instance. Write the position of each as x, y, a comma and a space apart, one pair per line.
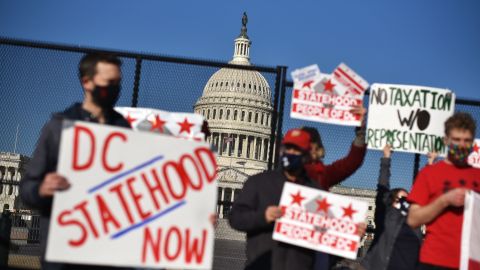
5, 231
136, 82
273, 121
416, 166
280, 114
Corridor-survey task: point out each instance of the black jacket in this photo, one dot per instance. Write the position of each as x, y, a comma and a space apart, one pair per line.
396, 245
45, 159
248, 215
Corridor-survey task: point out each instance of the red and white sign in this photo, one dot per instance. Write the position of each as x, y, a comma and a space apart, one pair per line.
328, 98
474, 158
320, 220
470, 249
184, 125
136, 199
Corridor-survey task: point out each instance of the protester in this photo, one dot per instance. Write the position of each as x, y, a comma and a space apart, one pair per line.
100, 77
256, 208
327, 176
396, 245
438, 194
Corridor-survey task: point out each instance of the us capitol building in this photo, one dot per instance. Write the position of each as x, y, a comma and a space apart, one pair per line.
237, 105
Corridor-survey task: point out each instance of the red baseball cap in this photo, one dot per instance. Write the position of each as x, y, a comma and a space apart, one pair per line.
297, 137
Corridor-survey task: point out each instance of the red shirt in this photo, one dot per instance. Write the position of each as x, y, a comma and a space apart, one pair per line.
441, 246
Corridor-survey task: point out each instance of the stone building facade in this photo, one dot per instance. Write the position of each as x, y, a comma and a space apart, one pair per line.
12, 167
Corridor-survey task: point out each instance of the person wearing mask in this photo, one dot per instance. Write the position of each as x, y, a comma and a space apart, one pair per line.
100, 77
257, 207
438, 195
396, 246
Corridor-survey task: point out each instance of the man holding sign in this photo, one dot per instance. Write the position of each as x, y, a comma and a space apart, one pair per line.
438, 194
100, 77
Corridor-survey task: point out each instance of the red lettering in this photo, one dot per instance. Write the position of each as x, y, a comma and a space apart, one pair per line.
106, 214
106, 166
76, 144
153, 244
83, 208
118, 190
136, 198
63, 222
204, 155
155, 188
187, 177
167, 243
180, 173
192, 249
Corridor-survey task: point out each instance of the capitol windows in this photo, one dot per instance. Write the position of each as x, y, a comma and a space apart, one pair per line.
214, 113
220, 114
256, 118
228, 114
221, 83
244, 85
249, 117
265, 149
263, 115
243, 116
240, 145
238, 84
235, 115
249, 86
208, 113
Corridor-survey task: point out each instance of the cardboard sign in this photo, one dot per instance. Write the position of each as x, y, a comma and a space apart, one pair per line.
474, 157
327, 98
319, 220
184, 125
470, 248
409, 118
136, 199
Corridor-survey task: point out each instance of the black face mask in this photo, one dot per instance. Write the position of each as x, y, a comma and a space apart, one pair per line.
292, 163
106, 96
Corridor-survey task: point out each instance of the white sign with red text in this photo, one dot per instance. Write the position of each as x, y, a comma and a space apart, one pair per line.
470, 248
474, 157
136, 199
328, 98
320, 220
178, 124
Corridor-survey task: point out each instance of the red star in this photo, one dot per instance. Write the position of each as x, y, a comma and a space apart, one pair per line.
328, 86
185, 126
297, 198
348, 211
307, 84
323, 205
157, 123
130, 119
476, 148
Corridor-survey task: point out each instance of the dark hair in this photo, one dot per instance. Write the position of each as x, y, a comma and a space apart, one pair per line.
460, 120
314, 135
88, 64
392, 197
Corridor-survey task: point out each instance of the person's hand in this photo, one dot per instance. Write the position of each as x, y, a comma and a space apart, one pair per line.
213, 219
360, 111
387, 151
361, 228
432, 156
51, 183
455, 197
272, 213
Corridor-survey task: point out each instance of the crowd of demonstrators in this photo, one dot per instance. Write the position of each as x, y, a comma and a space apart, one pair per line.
396, 245
100, 78
437, 196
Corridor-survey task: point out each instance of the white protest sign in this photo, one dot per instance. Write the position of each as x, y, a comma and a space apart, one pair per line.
136, 199
470, 248
305, 74
409, 118
185, 125
319, 220
328, 98
474, 157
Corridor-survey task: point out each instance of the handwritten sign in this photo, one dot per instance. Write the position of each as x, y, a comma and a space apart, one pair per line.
136, 199
327, 98
178, 124
470, 247
474, 157
409, 118
319, 220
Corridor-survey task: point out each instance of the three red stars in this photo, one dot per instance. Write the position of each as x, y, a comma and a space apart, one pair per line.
348, 211
297, 198
307, 84
328, 86
476, 148
157, 123
130, 119
185, 126
323, 205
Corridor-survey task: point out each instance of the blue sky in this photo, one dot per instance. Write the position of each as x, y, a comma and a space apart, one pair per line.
433, 43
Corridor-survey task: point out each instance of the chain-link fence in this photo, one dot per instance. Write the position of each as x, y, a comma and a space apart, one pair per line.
38, 79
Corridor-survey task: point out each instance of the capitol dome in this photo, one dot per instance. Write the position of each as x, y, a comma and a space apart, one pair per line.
237, 105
